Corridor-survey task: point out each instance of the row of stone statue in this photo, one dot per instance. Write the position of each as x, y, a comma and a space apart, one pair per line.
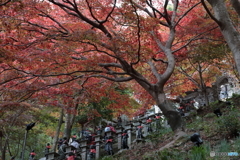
88, 147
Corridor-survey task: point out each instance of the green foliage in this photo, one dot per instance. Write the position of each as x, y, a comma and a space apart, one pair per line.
224, 146
36, 139
156, 136
124, 91
216, 104
207, 52
235, 100
198, 153
193, 113
170, 154
81, 118
94, 112
236, 146
236, 96
209, 115
229, 124
197, 124
107, 158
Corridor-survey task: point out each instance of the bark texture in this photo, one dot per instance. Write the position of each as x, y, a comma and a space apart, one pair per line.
56, 137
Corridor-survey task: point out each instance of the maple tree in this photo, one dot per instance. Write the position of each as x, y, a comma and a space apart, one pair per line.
51, 50
72, 41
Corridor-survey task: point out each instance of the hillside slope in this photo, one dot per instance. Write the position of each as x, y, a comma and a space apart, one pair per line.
220, 135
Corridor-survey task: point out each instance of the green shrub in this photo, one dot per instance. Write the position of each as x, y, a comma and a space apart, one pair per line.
207, 147
210, 115
193, 113
235, 96
198, 153
107, 158
224, 146
236, 145
235, 100
157, 135
170, 154
229, 125
215, 105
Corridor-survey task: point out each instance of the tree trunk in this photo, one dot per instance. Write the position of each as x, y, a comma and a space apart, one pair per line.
231, 35
1, 143
206, 98
169, 111
4, 149
55, 140
69, 120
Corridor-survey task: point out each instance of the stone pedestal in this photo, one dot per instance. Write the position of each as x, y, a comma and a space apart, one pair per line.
109, 133
145, 127
119, 137
83, 146
70, 149
97, 141
128, 127
135, 127
51, 156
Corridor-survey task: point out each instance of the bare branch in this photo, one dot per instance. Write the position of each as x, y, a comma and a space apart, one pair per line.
121, 79
194, 38
54, 20
4, 3
166, 16
138, 35
159, 43
110, 65
209, 13
115, 2
150, 14
154, 70
188, 76
91, 12
154, 10
75, 12
72, 79
161, 60
182, 16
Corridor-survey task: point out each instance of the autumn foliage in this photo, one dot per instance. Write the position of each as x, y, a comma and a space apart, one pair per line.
63, 53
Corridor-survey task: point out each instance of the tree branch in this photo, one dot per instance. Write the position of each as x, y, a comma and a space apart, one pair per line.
209, 13
150, 14
138, 35
75, 12
161, 60
121, 79
188, 76
54, 20
4, 3
194, 38
110, 65
236, 6
154, 70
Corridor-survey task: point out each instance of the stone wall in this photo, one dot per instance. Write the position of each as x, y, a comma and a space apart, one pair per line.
222, 89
